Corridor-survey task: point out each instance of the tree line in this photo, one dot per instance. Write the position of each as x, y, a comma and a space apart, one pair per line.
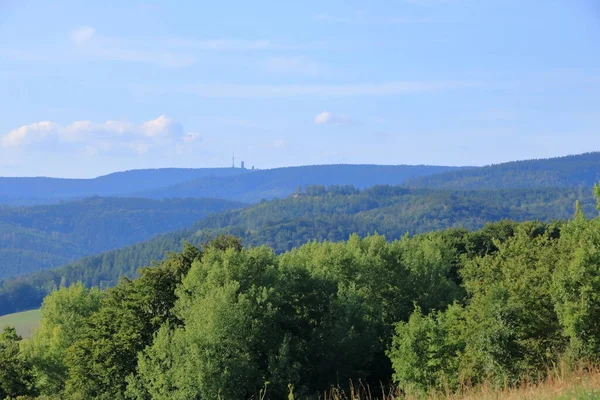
314, 213
424, 312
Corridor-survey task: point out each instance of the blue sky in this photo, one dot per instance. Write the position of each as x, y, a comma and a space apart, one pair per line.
94, 87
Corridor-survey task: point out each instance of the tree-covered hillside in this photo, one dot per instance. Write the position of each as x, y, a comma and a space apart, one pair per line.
315, 214
282, 182
225, 183
41, 237
442, 311
41, 190
570, 171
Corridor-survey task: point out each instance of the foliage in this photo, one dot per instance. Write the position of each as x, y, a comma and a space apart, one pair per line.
580, 170
311, 214
41, 237
125, 324
529, 304
15, 374
282, 182
61, 325
435, 312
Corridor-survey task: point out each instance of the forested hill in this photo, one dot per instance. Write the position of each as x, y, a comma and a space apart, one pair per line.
41, 190
315, 214
570, 171
282, 182
226, 183
39, 237
251, 186
452, 314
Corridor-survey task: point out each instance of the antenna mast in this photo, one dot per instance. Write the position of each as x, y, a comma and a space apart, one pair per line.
233, 159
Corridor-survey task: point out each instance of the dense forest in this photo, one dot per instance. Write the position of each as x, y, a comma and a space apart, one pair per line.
41, 237
432, 311
570, 171
314, 213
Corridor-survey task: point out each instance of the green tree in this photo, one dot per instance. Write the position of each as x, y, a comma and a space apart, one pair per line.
512, 326
576, 287
63, 314
129, 316
426, 351
15, 371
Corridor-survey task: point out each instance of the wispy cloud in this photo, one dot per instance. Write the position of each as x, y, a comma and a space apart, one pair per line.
329, 118
89, 44
220, 44
100, 47
321, 90
373, 19
279, 144
429, 2
93, 137
82, 35
294, 65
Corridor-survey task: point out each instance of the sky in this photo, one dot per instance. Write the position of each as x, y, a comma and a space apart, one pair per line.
89, 88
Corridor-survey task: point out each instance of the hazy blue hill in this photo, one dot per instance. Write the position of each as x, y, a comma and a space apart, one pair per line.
40, 237
570, 171
282, 182
316, 214
42, 190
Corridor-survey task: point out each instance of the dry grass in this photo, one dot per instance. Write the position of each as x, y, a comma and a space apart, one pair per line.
561, 383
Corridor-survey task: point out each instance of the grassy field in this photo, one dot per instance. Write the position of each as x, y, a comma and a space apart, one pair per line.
561, 383
24, 322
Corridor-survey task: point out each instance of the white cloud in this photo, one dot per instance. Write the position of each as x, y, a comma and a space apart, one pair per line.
93, 138
82, 35
329, 118
284, 91
140, 148
294, 65
161, 126
28, 133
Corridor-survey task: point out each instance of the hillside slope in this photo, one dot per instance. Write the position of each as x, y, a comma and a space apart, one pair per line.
570, 171
41, 190
40, 237
282, 182
331, 215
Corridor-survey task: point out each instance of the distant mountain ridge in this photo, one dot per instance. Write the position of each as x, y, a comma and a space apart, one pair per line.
252, 186
236, 184
282, 182
44, 190
568, 171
